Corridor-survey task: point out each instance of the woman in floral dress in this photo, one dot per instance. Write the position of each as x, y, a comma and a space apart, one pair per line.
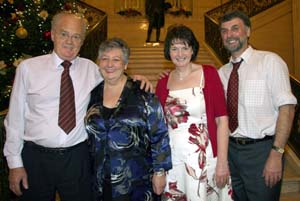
195, 109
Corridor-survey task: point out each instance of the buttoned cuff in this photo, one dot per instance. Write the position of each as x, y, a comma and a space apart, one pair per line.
14, 162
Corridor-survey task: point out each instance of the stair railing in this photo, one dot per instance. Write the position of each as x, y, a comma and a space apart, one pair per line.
96, 33
211, 18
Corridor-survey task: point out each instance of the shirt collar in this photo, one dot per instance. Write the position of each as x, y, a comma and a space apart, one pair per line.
245, 56
57, 61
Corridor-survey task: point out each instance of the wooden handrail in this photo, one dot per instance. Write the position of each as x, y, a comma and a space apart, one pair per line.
97, 31
294, 140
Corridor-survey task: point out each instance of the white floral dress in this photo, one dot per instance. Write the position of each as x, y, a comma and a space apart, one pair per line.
191, 178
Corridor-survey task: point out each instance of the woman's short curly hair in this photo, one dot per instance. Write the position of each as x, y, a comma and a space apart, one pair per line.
184, 34
113, 43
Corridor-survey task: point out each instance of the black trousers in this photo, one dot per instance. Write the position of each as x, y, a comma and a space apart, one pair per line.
156, 21
246, 164
67, 172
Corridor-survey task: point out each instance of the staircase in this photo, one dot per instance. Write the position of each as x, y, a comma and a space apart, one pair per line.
148, 60
291, 179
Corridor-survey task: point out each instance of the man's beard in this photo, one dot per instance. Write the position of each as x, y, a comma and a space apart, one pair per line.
233, 49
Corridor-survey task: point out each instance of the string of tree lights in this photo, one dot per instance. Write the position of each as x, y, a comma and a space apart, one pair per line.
25, 32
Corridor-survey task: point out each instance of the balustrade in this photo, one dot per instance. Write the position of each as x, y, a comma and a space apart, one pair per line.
136, 7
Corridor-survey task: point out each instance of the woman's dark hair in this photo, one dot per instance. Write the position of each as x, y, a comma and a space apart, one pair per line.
235, 14
183, 34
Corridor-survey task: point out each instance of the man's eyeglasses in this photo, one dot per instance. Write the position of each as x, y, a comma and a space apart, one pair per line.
64, 35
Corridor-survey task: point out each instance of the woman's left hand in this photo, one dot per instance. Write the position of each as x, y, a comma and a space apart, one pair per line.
158, 183
222, 174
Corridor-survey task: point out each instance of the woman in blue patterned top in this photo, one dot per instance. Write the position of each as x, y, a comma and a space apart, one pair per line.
127, 131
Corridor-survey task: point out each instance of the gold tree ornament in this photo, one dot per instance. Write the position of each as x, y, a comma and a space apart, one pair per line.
21, 33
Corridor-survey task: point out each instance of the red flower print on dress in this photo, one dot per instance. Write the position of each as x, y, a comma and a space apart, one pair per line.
199, 136
174, 193
175, 112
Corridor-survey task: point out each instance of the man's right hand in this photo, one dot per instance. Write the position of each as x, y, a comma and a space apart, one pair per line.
16, 178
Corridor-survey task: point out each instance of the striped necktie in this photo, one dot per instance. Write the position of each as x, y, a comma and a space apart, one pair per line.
233, 96
66, 117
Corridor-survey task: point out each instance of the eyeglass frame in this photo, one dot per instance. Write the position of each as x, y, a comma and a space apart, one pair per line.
64, 35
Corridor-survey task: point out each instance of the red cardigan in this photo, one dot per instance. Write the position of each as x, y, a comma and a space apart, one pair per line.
213, 96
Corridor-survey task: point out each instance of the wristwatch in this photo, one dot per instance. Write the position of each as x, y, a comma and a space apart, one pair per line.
278, 149
160, 172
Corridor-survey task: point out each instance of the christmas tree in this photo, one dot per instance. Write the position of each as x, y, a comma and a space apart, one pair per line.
25, 32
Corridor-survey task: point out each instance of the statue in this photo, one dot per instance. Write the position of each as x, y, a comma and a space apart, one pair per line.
155, 13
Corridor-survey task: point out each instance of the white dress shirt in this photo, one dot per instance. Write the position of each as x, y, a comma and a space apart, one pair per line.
264, 86
34, 104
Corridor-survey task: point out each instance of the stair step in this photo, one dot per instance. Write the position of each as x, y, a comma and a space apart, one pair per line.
290, 187
147, 56
291, 177
137, 67
290, 197
160, 56
139, 50
146, 70
153, 57
160, 60
149, 60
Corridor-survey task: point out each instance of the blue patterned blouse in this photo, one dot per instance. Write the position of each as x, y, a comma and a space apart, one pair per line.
128, 145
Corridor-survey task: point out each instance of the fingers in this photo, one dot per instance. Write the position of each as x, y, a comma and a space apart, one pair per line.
152, 90
222, 181
145, 83
17, 177
163, 74
222, 174
147, 86
25, 183
16, 189
271, 179
273, 169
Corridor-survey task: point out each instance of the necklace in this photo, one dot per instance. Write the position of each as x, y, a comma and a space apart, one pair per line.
182, 76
